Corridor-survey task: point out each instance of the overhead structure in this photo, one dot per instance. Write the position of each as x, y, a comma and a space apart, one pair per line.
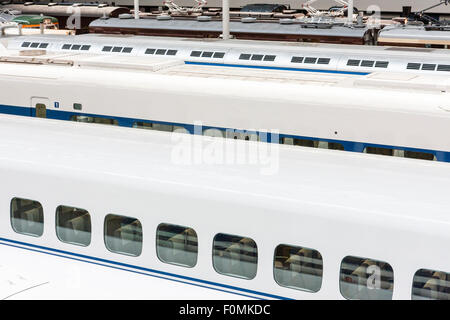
179, 10
313, 12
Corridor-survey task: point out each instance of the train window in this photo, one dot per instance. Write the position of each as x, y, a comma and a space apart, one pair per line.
297, 59
367, 63
117, 49
366, 279
107, 49
85, 47
27, 217
381, 64
244, 56
219, 55
313, 143
310, 60
73, 225
161, 51
171, 52
127, 50
26, 44
66, 46
419, 155
269, 58
323, 61
235, 256
381, 151
431, 285
257, 57
443, 67
99, 120
196, 53
298, 268
159, 127
34, 45
428, 67
353, 63
77, 106
75, 47
207, 54
150, 51
177, 245
43, 45
123, 235
413, 66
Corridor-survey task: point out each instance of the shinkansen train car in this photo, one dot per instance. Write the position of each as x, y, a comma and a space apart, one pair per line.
395, 114
322, 58
101, 212
415, 36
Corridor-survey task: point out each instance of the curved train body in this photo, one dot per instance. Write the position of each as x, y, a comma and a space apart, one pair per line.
326, 58
384, 113
110, 212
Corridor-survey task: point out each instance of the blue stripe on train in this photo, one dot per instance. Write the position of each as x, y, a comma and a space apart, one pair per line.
137, 269
276, 68
351, 146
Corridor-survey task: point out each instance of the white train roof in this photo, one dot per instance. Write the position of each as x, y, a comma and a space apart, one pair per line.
399, 188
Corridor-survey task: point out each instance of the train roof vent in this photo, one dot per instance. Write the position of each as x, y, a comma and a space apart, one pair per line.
248, 20
428, 67
204, 18
413, 66
353, 63
443, 67
381, 64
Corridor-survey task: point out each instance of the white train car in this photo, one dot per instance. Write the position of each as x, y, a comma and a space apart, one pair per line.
384, 113
323, 58
110, 212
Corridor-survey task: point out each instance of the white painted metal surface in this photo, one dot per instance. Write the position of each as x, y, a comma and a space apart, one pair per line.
394, 210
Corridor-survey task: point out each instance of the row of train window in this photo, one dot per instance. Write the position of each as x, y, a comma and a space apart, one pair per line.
367, 63
161, 52
208, 54
294, 266
40, 45
117, 49
428, 66
252, 136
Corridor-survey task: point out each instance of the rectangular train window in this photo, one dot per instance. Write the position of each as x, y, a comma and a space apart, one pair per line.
428, 67
171, 52
85, 47
218, 55
177, 245
159, 127
117, 49
127, 50
323, 61
27, 217
196, 53
43, 45
161, 52
235, 256
98, 120
298, 268
67, 46
400, 153
366, 279
381, 64
107, 49
431, 285
269, 58
150, 51
75, 47
244, 56
367, 63
257, 57
26, 44
73, 225
34, 45
353, 63
313, 143
123, 235
297, 59
207, 54
443, 67
310, 60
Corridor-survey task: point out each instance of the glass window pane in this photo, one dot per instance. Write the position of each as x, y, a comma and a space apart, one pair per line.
235, 256
431, 285
97, 120
366, 279
123, 235
73, 225
27, 217
298, 268
177, 245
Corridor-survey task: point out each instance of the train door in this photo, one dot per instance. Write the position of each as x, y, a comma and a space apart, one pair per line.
39, 106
